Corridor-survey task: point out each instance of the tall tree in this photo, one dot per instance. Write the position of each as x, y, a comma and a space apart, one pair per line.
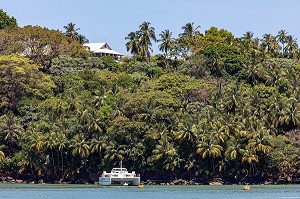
20, 78
166, 42
291, 48
2, 155
39, 44
133, 44
10, 128
80, 146
282, 37
165, 151
189, 31
146, 34
271, 44
82, 39
71, 32
247, 41
6, 21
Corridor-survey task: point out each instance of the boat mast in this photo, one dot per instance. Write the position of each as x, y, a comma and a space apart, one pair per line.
121, 165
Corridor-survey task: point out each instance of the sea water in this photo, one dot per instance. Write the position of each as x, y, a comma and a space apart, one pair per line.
46, 191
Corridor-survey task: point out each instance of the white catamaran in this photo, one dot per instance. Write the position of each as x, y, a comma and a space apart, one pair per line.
119, 176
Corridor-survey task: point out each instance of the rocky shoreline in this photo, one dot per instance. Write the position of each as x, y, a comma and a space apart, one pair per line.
215, 182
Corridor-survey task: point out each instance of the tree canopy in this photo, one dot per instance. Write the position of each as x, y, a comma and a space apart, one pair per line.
6, 21
212, 105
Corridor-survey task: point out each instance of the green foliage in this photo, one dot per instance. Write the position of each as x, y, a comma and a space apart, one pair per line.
19, 78
110, 63
223, 57
140, 41
195, 66
149, 69
229, 109
6, 21
214, 32
284, 158
71, 32
39, 44
63, 65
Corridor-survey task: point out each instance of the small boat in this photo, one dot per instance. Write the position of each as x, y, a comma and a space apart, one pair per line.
246, 187
125, 184
141, 186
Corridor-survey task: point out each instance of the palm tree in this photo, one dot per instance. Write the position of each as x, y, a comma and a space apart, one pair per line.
100, 96
250, 158
267, 41
291, 48
73, 102
275, 75
84, 116
36, 139
165, 150
189, 31
59, 110
146, 34
2, 155
248, 36
71, 31
186, 131
147, 109
254, 72
220, 131
236, 145
209, 147
271, 43
114, 152
276, 109
10, 128
291, 113
82, 39
133, 44
286, 159
93, 124
80, 146
232, 98
62, 142
282, 37
98, 144
247, 41
50, 143
261, 140
166, 43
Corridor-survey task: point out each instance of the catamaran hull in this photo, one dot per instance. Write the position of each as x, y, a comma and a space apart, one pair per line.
109, 181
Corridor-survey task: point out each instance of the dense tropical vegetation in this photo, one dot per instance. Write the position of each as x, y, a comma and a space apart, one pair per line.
7, 21
210, 106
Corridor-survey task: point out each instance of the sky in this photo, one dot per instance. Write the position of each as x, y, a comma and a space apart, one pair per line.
111, 20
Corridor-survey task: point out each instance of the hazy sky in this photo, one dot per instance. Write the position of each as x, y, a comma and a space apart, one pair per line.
112, 20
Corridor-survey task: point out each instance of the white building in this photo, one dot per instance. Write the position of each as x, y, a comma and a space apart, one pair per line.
102, 49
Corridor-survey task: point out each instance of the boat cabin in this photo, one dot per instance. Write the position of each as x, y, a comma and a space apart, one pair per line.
119, 170
119, 176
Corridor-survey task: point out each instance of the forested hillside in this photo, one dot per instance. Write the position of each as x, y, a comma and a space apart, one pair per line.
211, 105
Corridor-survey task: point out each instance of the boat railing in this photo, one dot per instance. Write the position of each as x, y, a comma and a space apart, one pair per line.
119, 173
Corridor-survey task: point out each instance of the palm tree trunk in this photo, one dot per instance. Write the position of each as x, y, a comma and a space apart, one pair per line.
62, 163
213, 165
53, 163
